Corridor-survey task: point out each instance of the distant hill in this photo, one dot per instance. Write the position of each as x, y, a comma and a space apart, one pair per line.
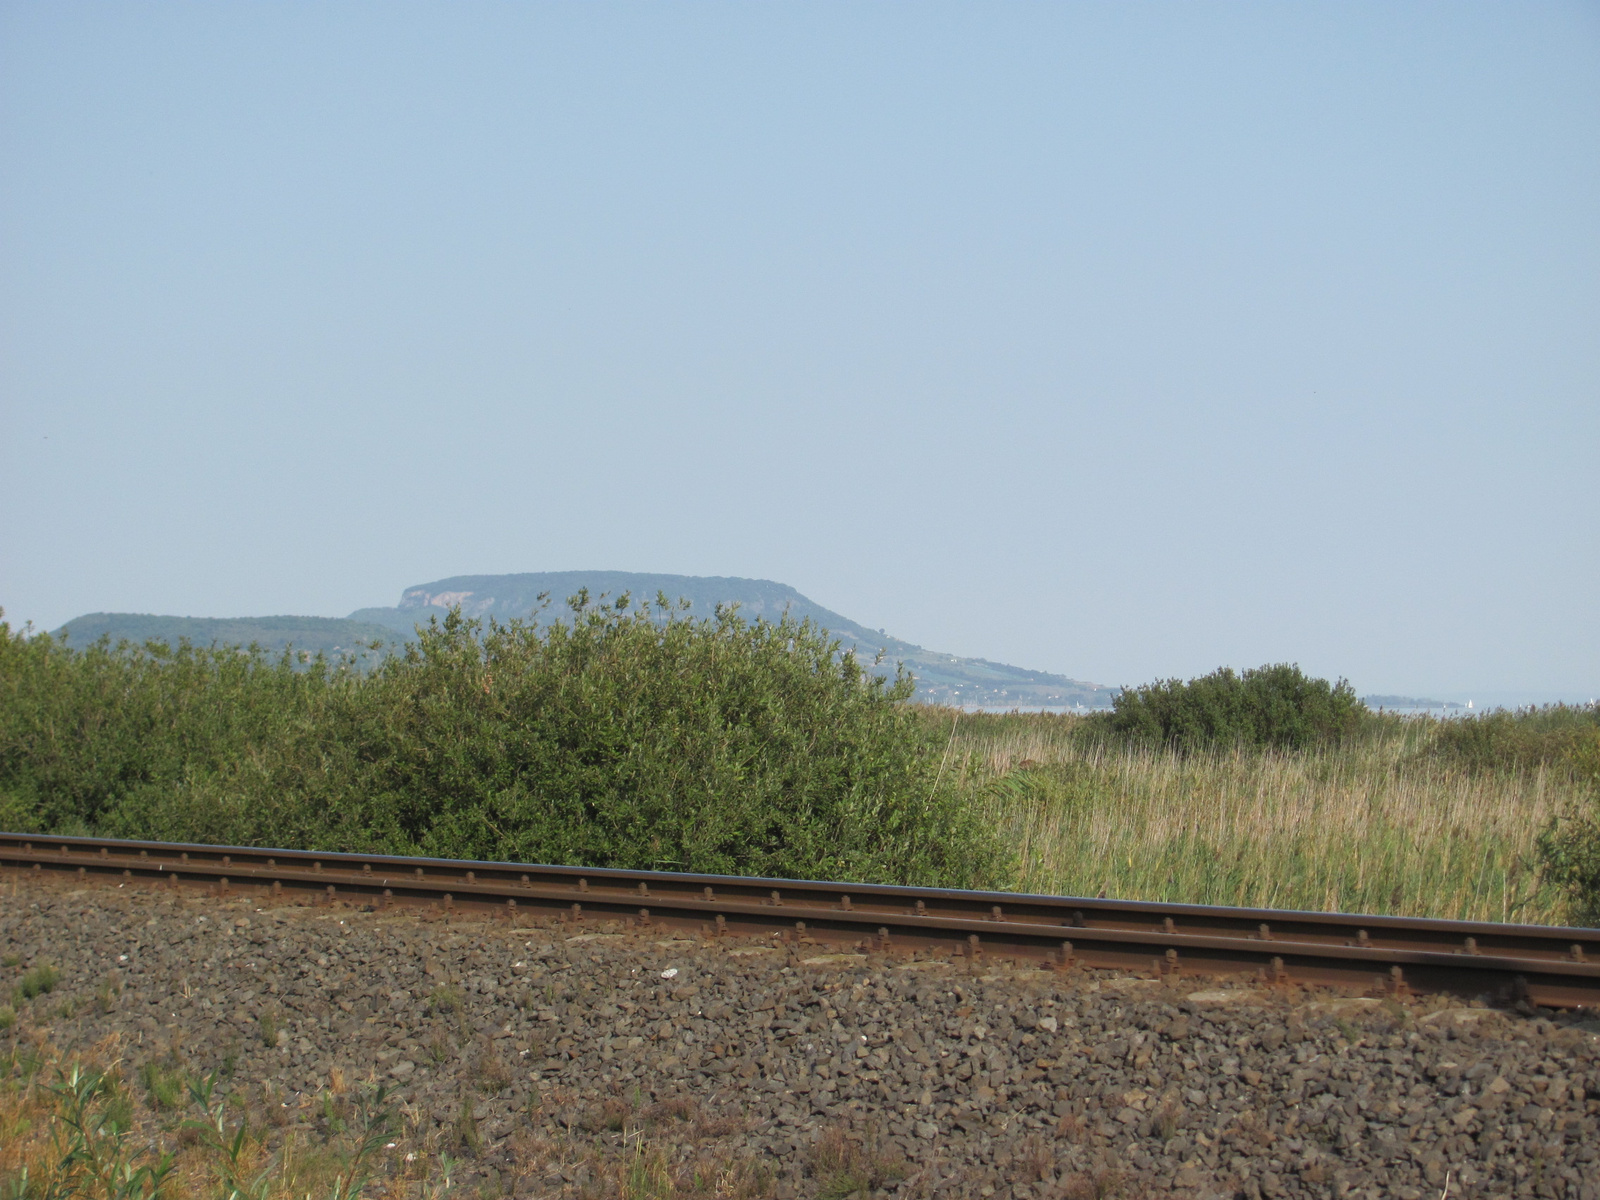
329, 635
941, 678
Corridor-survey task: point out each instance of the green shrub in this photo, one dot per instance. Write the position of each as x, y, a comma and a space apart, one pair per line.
1557, 735
1569, 856
621, 737
1278, 706
8, 1017
159, 742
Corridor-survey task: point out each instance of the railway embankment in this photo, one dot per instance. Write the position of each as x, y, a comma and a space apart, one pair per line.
546, 1059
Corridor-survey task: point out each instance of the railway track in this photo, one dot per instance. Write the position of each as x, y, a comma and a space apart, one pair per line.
1550, 966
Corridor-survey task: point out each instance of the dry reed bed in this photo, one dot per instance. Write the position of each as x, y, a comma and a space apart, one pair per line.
1379, 827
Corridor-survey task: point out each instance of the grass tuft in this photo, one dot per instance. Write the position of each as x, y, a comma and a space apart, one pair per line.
167, 1087
848, 1162
445, 999
38, 980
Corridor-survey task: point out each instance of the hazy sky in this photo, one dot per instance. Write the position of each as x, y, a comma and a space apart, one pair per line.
1122, 340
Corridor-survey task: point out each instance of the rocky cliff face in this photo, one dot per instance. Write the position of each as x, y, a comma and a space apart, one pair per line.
470, 603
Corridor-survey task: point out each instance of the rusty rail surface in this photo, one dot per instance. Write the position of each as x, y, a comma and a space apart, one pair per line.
1545, 965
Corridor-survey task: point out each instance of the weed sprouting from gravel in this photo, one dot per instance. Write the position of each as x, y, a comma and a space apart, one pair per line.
334, 1112
1036, 1158
1070, 1127
1093, 1185
444, 999
106, 994
269, 1028
8, 1017
492, 1073
677, 1109
26, 1062
614, 1116
442, 1186
376, 1121
439, 1048
38, 980
465, 1129
1398, 1014
1166, 1120
646, 1177
118, 1103
848, 1161
166, 1086
655, 1172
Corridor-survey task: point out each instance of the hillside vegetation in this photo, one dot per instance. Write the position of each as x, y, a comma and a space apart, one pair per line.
329, 636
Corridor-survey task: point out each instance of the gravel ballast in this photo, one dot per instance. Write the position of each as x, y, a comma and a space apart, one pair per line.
545, 1059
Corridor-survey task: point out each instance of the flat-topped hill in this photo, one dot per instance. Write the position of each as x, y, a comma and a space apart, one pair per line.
941, 678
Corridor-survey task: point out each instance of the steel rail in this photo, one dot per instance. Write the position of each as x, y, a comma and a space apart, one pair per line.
1546, 965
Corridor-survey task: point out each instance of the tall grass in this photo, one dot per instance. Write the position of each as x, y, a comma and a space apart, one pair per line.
1381, 824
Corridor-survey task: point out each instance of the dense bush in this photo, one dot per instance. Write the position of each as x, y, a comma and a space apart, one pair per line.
1558, 735
1569, 854
620, 738
157, 742
1277, 706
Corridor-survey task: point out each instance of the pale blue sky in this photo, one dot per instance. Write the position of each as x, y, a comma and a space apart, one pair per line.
1123, 340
